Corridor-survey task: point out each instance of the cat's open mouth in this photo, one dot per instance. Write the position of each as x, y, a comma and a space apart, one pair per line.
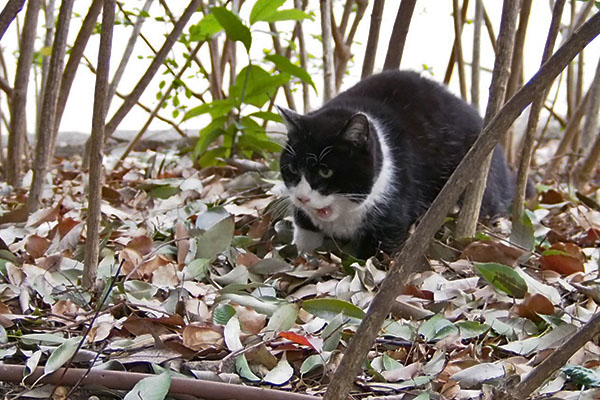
324, 212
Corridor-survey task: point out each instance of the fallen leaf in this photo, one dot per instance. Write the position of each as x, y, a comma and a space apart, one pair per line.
36, 245
564, 258
199, 336
491, 251
533, 305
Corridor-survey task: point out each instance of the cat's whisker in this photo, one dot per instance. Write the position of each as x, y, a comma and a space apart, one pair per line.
324, 153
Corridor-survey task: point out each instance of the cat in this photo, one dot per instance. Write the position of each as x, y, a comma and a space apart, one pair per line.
367, 164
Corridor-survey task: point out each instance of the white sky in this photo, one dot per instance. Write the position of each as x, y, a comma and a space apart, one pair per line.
429, 43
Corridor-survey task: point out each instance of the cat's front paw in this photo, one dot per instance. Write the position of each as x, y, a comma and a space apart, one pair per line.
307, 241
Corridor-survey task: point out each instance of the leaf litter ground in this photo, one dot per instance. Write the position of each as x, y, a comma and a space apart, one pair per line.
198, 274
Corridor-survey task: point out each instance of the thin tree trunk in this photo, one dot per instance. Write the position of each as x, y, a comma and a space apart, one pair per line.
18, 102
158, 60
515, 79
419, 240
475, 63
303, 55
457, 39
565, 142
469, 212
94, 215
458, 53
490, 29
9, 13
583, 170
534, 114
328, 67
373, 39
135, 33
49, 13
279, 51
343, 46
43, 149
75, 55
399, 34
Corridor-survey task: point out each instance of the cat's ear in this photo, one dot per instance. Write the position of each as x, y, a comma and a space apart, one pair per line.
356, 130
290, 118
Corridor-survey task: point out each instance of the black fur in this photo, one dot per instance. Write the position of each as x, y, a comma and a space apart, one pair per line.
428, 130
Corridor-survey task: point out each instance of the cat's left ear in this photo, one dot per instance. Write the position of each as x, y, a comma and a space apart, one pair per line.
290, 118
356, 130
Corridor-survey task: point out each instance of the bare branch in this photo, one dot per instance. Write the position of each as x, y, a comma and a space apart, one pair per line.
371, 48
18, 101
328, 68
457, 39
97, 147
9, 13
534, 114
458, 54
475, 63
399, 33
469, 211
158, 60
43, 146
137, 27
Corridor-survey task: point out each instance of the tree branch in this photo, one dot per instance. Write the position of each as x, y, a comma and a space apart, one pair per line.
9, 13
399, 34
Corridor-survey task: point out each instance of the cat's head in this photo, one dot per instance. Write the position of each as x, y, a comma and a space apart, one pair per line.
330, 161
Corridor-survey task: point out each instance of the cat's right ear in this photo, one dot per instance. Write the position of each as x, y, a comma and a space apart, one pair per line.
290, 118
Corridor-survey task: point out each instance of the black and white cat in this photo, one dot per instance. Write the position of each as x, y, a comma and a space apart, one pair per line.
370, 161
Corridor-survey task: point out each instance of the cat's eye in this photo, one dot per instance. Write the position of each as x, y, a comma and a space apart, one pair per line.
292, 169
325, 172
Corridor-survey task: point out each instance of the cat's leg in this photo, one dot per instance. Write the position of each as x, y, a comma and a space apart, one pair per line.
307, 237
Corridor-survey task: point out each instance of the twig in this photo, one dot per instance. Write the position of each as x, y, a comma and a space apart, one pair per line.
45, 131
9, 13
458, 54
457, 39
18, 118
326, 35
371, 48
399, 34
469, 212
475, 65
534, 114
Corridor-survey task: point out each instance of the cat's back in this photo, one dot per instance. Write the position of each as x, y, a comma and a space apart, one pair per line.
406, 94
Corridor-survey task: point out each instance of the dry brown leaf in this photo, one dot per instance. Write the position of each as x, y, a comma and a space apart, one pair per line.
247, 259
533, 305
142, 244
163, 275
491, 251
412, 290
52, 263
65, 225
250, 320
66, 308
566, 264
130, 259
44, 215
36, 245
202, 336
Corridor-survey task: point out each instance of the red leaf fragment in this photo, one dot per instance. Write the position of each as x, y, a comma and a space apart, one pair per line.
568, 262
36, 245
313, 342
533, 305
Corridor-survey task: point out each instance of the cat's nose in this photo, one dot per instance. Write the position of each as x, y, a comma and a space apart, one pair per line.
303, 199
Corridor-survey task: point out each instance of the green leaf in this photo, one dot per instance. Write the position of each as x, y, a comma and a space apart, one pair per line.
287, 15
255, 86
523, 233
281, 374
582, 376
283, 318
222, 314
204, 29
197, 269
47, 339
284, 64
152, 388
3, 335
235, 29
164, 191
243, 369
433, 326
471, 329
389, 364
140, 290
61, 355
216, 240
263, 9
328, 309
314, 361
216, 109
503, 278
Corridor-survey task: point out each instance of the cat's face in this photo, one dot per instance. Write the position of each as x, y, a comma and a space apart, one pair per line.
328, 163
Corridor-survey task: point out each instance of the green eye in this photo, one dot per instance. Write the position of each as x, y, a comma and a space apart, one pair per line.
292, 169
325, 172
